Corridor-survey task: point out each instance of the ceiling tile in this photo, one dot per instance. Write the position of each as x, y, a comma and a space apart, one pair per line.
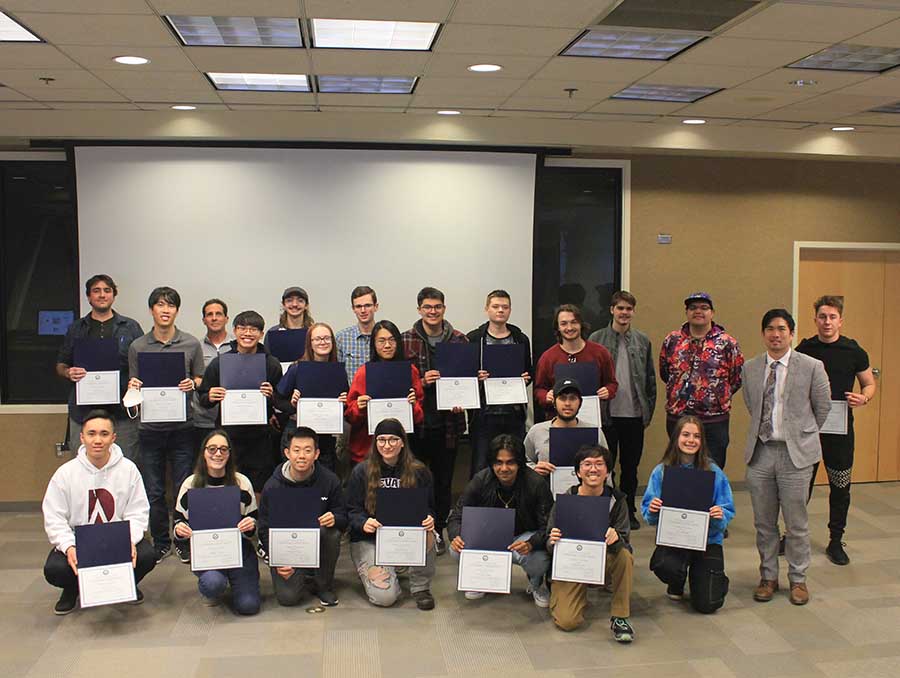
443, 100
743, 103
880, 85
93, 106
778, 80
248, 60
34, 55
617, 117
24, 104
384, 10
726, 51
63, 79
101, 56
130, 30
813, 22
284, 98
282, 8
363, 109
270, 108
349, 99
9, 94
500, 40
872, 119
555, 89
772, 124
544, 104
883, 36
706, 76
501, 87
105, 94
566, 14
173, 96
841, 104
597, 70
553, 115
83, 6
637, 107
368, 62
449, 65
180, 80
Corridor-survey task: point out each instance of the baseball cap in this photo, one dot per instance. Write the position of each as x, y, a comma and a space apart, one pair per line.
699, 296
566, 384
295, 292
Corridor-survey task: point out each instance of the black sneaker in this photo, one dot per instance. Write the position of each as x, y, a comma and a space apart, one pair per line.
440, 547
163, 552
836, 553
622, 631
424, 600
675, 592
261, 553
183, 550
139, 599
635, 523
327, 598
67, 601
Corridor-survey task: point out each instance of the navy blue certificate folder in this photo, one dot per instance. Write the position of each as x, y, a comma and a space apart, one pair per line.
96, 355
103, 543
586, 374
214, 508
688, 488
565, 442
388, 379
294, 507
503, 360
457, 360
579, 517
286, 345
321, 380
161, 370
242, 370
487, 528
401, 506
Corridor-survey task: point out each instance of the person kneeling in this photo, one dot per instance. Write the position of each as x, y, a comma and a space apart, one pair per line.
509, 483
705, 570
216, 468
568, 599
302, 469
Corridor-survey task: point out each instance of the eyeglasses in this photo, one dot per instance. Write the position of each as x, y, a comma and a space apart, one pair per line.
428, 308
320, 340
593, 465
389, 341
388, 440
699, 307
363, 307
221, 449
247, 329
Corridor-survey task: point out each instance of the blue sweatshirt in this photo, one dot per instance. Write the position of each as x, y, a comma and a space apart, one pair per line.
721, 497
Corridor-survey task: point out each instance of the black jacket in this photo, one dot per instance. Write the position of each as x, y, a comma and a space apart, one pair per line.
531, 500
478, 336
356, 495
618, 518
326, 482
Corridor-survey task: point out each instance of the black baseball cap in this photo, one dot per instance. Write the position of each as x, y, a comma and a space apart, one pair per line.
295, 292
566, 384
699, 296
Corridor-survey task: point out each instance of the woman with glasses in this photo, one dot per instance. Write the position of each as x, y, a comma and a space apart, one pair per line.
320, 347
216, 468
391, 464
386, 344
705, 570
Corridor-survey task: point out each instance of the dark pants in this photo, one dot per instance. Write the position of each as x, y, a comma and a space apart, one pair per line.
157, 449
837, 453
625, 437
244, 582
431, 448
254, 456
716, 437
485, 427
290, 591
58, 573
705, 571
199, 435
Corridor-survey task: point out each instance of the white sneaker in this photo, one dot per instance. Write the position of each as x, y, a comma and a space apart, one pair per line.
474, 595
211, 602
541, 596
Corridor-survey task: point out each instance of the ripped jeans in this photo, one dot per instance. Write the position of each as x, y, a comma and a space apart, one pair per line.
380, 583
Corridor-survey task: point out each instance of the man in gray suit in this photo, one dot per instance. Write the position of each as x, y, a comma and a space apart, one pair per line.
788, 396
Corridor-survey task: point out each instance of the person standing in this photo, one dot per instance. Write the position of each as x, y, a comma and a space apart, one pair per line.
353, 343
215, 342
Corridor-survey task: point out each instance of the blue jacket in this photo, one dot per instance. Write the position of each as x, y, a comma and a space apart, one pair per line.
721, 497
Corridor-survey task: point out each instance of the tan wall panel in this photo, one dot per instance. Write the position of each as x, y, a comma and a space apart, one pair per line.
889, 383
27, 454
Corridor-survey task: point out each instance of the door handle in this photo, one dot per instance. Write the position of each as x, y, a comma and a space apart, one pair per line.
876, 372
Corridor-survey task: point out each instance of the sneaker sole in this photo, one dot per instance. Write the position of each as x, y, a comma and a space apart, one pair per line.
624, 638
324, 604
63, 613
834, 561
543, 604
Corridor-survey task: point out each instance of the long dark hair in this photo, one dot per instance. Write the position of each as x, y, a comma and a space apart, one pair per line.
672, 455
399, 354
308, 351
407, 463
201, 472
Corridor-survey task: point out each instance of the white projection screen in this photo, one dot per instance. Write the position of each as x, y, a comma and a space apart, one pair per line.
242, 224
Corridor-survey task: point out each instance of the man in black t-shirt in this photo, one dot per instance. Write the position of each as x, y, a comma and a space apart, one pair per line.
845, 362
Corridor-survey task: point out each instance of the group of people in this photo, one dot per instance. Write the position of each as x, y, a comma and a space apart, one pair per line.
789, 394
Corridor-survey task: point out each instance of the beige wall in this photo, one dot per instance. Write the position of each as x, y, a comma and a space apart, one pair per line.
733, 223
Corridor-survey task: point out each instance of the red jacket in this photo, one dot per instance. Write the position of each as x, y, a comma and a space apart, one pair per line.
360, 440
555, 355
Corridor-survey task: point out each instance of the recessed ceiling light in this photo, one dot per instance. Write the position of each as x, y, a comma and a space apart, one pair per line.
367, 84
448, 112
849, 57
12, 31
694, 121
677, 93
842, 129
183, 107
357, 34
260, 82
237, 31
621, 43
131, 60
485, 68
803, 83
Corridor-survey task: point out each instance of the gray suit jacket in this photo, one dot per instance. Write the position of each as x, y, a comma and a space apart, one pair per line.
807, 400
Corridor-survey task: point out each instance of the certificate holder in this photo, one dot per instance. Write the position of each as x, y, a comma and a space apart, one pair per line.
294, 529
588, 377
241, 374
838, 421
388, 383
458, 385
505, 363
682, 528
564, 444
485, 564
105, 572
320, 385
401, 541
687, 495
100, 359
286, 345
160, 374
216, 542
580, 556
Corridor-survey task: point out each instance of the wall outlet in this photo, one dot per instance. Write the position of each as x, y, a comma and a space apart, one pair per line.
61, 449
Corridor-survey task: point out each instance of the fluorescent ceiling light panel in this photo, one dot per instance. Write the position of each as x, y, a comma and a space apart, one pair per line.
847, 57
665, 93
355, 34
237, 31
367, 84
887, 108
12, 31
620, 43
260, 82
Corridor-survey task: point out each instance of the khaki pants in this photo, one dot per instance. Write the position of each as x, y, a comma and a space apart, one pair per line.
568, 599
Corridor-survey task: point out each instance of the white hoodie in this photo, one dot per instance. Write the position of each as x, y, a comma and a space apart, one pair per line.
79, 493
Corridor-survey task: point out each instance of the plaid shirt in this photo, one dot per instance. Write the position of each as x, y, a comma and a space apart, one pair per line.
422, 354
352, 349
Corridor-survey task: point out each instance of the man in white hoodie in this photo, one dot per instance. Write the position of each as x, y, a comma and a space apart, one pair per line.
99, 486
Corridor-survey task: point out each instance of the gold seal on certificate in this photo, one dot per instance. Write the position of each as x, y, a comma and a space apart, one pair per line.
682, 528
98, 388
216, 549
484, 571
400, 546
579, 560
458, 392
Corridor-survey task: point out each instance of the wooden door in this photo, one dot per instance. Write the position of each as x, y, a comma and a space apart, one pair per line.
858, 276
889, 379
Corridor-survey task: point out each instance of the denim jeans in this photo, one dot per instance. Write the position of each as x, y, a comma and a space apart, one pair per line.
157, 449
244, 582
536, 563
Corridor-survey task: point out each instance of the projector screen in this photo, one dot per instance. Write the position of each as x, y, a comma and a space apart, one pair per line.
242, 224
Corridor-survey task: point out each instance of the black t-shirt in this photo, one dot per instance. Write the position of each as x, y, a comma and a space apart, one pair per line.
843, 359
